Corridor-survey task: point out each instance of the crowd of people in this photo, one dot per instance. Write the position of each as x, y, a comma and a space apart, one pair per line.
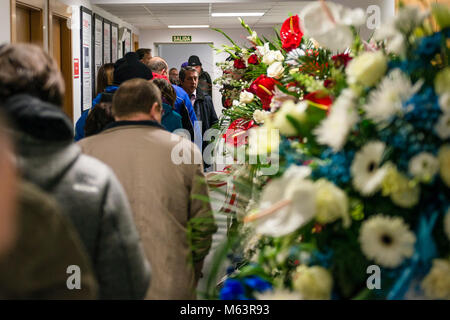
102, 211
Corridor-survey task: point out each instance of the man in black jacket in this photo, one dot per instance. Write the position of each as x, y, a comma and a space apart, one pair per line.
204, 79
202, 102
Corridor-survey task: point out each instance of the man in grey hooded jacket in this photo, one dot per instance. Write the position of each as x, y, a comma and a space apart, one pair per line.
88, 192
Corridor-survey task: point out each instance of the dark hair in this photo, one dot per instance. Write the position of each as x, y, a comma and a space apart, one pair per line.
173, 69
105, 77
26, 68
167, 91
98, 118
135, 96
157, 64
183, 71
142, 52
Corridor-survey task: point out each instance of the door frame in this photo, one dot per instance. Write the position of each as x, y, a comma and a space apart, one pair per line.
31, 4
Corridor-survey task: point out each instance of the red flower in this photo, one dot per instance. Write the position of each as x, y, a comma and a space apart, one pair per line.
320, 99
341, 59
329, 83
291, 35
263, 88
253, 59
239, 64
227, 103
237, 132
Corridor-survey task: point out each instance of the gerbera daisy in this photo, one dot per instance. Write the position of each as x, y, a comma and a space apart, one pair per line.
424, 166
386, 240
442, 127
366, 172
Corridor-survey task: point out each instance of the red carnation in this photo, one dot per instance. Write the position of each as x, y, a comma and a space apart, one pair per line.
291, 35
263, 88
341, 59
253, 59
239, 64
236, 132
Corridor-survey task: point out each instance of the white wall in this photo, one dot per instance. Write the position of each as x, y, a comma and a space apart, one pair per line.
5, 18
148, 38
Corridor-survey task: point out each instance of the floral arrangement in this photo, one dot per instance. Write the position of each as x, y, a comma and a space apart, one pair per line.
362, 138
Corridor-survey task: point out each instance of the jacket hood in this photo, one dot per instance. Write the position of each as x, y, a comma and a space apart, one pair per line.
38, 119
43, 139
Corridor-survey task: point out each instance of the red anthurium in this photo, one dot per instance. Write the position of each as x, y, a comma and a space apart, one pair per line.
236, 132
239, 64
341, 59
253, 59
291, 35
263, 88
319, 99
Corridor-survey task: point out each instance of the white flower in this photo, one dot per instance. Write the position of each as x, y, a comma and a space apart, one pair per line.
275, 70
263, 50
272, 57
331, 203
333, 130
442, 127
444, 163
444, 102
395, 40
365, 170
386, 240
447, 223
409, 18
246, 97
292, 186
296, 111
424, 166
436, 284
403, 192
278, 294
260, 116
442, 81
236, 103
263, 140
279, 97
367, 69
387, 99
335, 35
313, 283
254, 37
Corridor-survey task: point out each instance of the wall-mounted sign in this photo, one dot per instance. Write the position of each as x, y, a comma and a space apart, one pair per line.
76, 68
181, 38
86, 58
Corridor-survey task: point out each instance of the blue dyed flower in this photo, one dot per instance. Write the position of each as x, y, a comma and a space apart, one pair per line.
430, 45
232, 290
257, 283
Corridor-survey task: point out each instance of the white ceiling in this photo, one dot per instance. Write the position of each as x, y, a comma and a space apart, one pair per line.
153, 14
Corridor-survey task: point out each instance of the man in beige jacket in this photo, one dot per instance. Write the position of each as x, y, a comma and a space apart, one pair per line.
175, 226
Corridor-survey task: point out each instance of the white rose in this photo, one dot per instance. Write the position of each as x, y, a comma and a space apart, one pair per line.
313, 283
296, 111
444, 163
275, 70
246, 97
272, 56
367, 69
260, 116
331, 203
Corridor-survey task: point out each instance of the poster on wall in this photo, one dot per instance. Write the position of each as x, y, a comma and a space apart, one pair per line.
114, 41
106, 41
98, 47
86, 57
127, 45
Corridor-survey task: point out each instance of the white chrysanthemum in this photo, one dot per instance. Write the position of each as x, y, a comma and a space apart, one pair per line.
313, 283
444, 163
333, 130
278, 294
260, 116
444, 102
447, 223
395, 41
295, 111
424, 166
292, 186
275, 70
386, 100
331, 203
442, 127
246, 97
386, 240
365, 170
436, 284
367, 68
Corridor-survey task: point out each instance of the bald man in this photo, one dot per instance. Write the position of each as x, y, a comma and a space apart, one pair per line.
160, 69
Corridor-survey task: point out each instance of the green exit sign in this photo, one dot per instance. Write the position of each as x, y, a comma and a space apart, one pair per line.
181, 38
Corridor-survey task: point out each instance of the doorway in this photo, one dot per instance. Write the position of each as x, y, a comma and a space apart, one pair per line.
27, 24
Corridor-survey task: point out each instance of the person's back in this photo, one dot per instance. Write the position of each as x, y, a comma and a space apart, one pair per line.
87, 191
160, 190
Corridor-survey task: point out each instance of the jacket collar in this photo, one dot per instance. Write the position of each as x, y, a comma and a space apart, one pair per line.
124, 123
199, 95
